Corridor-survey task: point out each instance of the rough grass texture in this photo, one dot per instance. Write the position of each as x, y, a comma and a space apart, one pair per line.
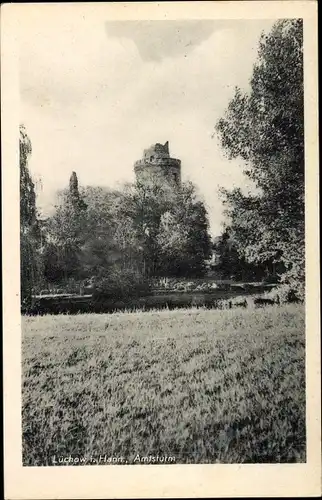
205, 386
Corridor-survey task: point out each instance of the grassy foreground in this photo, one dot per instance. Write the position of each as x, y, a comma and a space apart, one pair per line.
203, 386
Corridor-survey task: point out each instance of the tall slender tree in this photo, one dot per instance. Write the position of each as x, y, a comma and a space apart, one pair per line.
76, 202
68, 231
29, 229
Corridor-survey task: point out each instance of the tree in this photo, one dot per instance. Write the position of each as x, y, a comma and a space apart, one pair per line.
265, 129
67, 230
53, 271
160, 229
81, 234
28, 213
29, 230
100, 249
139, 211
229, 263
184, 241
125, 230
76, 202
233, 265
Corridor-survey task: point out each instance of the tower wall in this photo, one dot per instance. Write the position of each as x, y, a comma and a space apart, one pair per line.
157, 164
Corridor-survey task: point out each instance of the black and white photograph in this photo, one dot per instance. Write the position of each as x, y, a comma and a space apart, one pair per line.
163, 299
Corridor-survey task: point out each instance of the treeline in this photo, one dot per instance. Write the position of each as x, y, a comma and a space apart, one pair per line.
125, 237
151, 228
118, 238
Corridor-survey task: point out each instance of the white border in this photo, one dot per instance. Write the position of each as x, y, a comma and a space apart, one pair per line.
192, 481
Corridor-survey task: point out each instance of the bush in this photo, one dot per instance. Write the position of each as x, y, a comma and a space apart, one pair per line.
121, 284
286, 294
271, 280
293, 281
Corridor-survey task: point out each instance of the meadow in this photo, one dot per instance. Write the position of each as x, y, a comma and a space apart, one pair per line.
203, 386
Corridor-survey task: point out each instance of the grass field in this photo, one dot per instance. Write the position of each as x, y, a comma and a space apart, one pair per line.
203, 386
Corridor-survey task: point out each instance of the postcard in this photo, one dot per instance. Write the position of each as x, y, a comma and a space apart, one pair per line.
160, 250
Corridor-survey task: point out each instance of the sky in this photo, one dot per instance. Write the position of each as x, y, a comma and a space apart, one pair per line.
95, 93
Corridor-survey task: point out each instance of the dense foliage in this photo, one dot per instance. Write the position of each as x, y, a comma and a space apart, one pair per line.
265, 129
120, 284
65, 236
230, 263
142, 230
29, 229
152, 229
170, 227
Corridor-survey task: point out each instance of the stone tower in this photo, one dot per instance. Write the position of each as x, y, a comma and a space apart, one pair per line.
157, 164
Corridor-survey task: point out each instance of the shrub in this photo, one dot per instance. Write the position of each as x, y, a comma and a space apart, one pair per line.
286, 294
121, 284
294, 283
